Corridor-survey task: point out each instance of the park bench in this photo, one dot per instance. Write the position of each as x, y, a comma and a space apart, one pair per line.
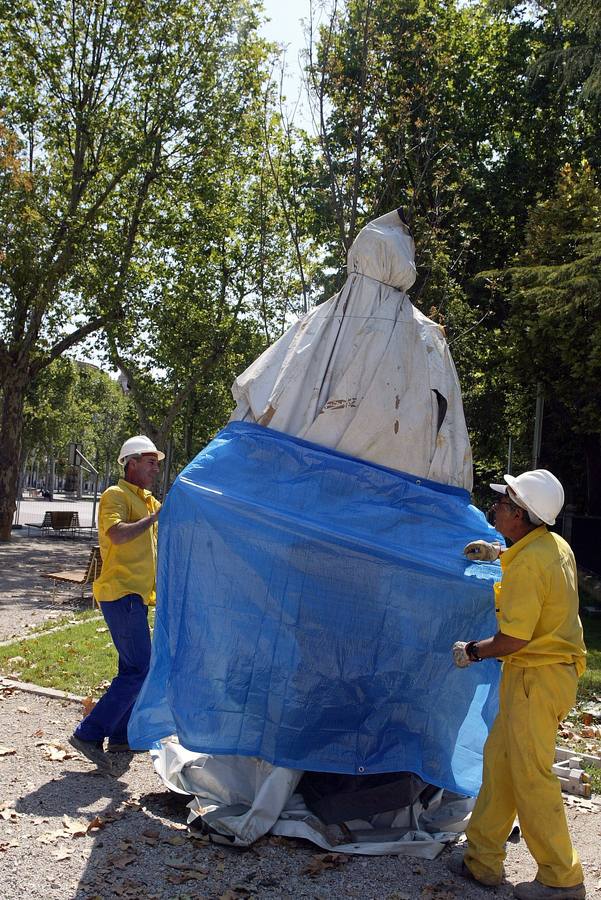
77, 577
60, 521
45, 525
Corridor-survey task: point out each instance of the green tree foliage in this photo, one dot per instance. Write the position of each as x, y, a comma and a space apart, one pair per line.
72, 401
555, 326
224, 269
435, 105
128, 159
577, 50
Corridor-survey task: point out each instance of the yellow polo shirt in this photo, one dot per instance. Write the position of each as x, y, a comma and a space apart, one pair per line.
127, 568
537, 601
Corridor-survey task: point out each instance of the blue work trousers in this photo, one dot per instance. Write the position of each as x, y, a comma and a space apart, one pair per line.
127, 620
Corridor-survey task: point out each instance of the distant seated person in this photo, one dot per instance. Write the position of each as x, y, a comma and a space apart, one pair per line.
46, 494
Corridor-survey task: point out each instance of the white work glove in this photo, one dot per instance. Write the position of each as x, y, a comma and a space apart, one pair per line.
460, 657
484, 551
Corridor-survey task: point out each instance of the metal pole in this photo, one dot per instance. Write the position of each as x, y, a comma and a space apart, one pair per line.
93, 469
94, 501
538, 425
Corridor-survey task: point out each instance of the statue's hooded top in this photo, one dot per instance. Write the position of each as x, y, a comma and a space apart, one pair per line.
366, 373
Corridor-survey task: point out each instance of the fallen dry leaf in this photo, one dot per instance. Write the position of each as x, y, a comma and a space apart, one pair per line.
151, 837
7, 751
439, 891
8, 845
9, 814
96, 824
38, 733
121, 860
51, 837
62, 854
23, 709
88, 704
129, 888
185, 875
176, 840
39, 820
55, 751
185, 866
74, 828
322, 861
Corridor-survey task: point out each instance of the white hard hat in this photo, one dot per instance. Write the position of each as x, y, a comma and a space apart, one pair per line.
136, 445
539, 492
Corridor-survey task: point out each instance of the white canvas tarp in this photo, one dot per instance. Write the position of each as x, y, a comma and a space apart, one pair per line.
239, 799
366, 373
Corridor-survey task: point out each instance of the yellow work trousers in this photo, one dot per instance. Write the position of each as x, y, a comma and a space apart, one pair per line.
517, 778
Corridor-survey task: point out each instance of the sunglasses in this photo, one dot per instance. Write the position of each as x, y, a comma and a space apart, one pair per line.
503, 501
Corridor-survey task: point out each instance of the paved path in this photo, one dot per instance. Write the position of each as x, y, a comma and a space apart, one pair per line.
32, 511
25, 598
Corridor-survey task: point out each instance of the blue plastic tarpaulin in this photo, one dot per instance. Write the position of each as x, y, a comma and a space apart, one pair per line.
307, 604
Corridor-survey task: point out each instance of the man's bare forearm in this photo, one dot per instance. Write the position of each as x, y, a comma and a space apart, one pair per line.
123, 532
499, 645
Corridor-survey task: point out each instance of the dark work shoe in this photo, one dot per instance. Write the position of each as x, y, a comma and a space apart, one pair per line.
456, 865
92, 750
115, 747
536, 890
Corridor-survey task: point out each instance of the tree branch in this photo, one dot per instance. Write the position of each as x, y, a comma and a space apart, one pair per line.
69, 341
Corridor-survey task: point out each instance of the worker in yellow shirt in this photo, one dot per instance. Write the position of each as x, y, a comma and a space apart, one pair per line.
541, 645
127, 530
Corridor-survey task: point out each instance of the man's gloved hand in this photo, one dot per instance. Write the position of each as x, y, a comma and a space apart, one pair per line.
483, 550
460, 657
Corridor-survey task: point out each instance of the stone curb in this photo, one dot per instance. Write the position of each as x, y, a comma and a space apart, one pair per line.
37, 634
50, 693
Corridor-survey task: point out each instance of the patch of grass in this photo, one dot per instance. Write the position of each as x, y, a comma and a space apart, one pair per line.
64, 620
590, 683
595, 776
80, 659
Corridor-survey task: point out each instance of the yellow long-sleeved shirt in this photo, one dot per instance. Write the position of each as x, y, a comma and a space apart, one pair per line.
537, 601
128, 568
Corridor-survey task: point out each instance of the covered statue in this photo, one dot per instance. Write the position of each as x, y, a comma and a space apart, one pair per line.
366, 373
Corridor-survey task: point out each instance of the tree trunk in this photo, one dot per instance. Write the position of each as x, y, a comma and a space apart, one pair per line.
11, 434
50, 472
592, 449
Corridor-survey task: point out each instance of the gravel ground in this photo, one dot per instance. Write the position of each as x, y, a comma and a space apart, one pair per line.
141, 848
137, 845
